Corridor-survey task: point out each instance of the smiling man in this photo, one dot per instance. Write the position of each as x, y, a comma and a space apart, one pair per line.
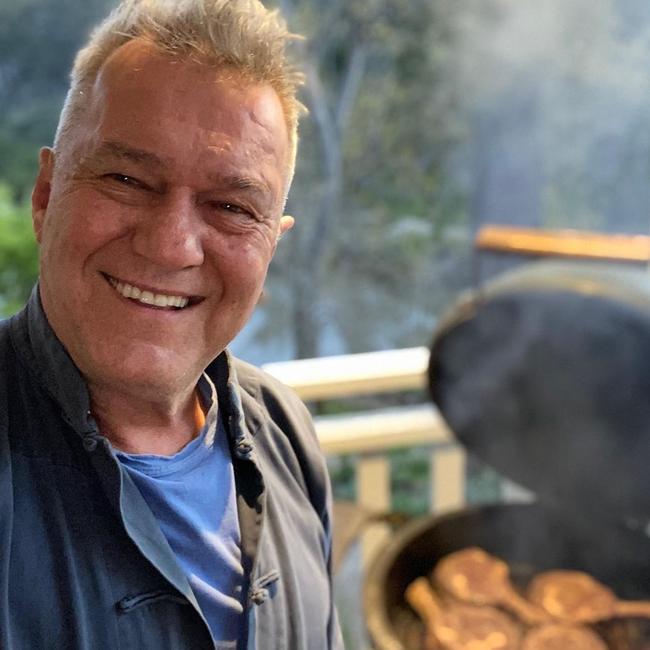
156, 492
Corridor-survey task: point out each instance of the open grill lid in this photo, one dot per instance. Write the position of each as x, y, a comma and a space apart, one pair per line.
545, 375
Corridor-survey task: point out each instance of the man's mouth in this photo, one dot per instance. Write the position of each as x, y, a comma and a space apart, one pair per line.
146, 297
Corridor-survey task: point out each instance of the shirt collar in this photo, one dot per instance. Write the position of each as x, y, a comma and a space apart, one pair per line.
222, 371
43, 353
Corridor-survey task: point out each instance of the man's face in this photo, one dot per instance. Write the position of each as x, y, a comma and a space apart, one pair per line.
157, 218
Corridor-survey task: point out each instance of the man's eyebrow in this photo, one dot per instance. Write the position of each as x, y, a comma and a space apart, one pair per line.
247, 183
113, 149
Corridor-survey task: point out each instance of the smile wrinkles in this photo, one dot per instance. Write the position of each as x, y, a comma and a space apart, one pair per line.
149, 297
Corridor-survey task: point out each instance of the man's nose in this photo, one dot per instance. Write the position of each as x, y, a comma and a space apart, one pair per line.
169, 233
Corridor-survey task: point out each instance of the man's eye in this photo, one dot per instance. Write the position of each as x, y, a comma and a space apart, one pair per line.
123, 179
235, 209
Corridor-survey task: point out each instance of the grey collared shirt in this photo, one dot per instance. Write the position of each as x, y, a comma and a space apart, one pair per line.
83, 563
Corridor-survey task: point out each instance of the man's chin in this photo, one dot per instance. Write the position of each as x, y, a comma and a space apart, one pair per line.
145, 376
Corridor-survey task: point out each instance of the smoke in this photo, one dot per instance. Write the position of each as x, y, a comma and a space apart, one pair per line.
556, 96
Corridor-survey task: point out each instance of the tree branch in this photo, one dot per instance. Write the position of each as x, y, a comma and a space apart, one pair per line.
350, 86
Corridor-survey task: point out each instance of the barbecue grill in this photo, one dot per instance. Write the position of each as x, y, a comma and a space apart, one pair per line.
544, 373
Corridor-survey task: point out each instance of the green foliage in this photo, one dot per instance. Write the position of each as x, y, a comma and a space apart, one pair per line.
18, 162
342, 475
18, 253
410, 480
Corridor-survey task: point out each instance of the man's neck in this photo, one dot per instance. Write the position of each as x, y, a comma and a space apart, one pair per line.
138, 426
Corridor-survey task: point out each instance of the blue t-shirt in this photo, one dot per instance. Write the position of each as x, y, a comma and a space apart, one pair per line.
192, 495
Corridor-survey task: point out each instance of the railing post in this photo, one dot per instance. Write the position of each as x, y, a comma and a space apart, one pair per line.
373, 493
447, 468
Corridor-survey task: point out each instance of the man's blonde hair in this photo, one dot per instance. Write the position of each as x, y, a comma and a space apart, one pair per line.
239, 34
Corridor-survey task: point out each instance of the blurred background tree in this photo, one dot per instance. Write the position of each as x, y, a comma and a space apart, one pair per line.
38, 40
373, 256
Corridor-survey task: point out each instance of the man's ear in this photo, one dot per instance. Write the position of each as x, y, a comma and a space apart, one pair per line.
286, 223
41, 191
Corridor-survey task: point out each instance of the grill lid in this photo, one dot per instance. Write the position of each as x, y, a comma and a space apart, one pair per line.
545, 375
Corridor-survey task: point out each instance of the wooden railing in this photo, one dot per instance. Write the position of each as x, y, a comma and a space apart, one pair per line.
370, 434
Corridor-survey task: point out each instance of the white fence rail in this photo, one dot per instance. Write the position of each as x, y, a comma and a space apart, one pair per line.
371, 434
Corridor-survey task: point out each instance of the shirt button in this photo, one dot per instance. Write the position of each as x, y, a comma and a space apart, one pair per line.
259, 596
244, 449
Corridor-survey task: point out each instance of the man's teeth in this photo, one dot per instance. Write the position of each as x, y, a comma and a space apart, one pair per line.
147, 297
